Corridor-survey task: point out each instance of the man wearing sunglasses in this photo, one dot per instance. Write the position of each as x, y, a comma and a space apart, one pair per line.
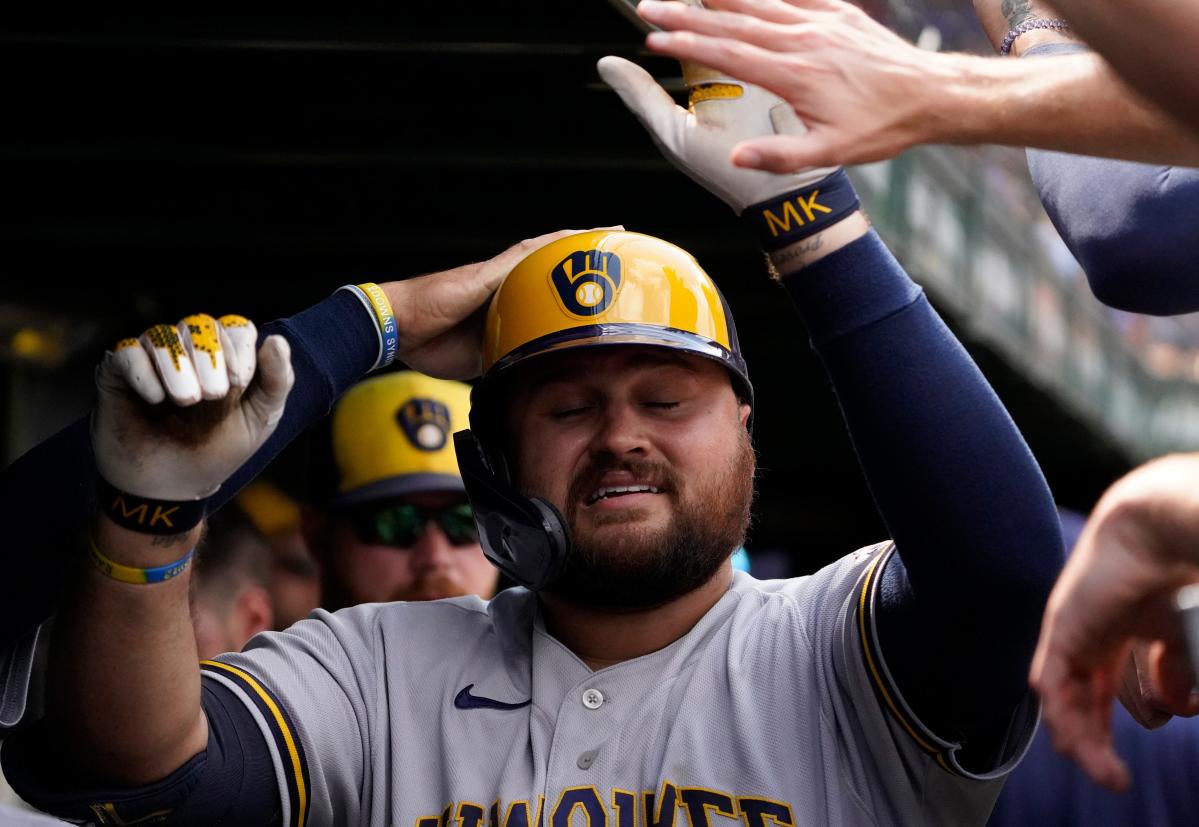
399, 526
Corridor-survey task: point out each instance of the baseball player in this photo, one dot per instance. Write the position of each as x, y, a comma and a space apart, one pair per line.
398, 526
635, 680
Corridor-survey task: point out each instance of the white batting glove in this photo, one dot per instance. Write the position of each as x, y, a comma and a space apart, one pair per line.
172, 449
723, 112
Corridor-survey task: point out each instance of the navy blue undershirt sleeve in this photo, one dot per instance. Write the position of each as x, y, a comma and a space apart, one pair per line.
1131, 226
48, 494
232, 782
977, 534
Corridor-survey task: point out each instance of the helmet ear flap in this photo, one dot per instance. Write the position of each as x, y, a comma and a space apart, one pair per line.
524, 537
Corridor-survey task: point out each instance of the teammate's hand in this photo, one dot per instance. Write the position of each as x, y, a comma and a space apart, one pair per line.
1117, 589
722, 114
182, 407
439, 317
863, 92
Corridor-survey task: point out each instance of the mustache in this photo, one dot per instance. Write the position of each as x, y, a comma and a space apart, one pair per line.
643, 471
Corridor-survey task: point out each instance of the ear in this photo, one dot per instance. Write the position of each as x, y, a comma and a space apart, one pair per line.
252, 613
744, 410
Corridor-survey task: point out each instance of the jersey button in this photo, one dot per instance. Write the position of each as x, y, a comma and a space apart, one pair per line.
593, 698
587, 759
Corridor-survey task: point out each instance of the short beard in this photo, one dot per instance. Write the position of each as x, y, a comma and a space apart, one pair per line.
646, 571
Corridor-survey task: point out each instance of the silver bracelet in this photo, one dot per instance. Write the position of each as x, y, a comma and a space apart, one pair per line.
1028, 26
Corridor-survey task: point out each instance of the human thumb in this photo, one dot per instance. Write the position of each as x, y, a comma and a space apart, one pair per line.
266, 399
637, 88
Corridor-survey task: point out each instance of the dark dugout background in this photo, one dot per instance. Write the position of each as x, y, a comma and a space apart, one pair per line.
157, 163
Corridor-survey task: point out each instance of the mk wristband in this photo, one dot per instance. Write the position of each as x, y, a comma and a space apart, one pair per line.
375, 300
800, 213
147, 516
130, 574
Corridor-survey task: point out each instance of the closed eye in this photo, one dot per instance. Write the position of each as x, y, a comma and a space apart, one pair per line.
662, 405
567, 413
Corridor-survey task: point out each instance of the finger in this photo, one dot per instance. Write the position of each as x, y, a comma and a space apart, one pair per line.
239, 338
1076, 709
200, 339
775, 36
128, 365
773, 11
652, 104
496, 269
172, 363
1171, 679
1136, 692
784, 153
275, 378
744, 61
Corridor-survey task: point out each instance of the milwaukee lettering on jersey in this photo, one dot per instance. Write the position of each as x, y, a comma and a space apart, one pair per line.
672, 806
809, 206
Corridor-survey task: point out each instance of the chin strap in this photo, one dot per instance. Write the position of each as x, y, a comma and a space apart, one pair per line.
525, 537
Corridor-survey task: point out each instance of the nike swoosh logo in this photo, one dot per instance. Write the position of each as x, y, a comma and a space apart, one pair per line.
465, 700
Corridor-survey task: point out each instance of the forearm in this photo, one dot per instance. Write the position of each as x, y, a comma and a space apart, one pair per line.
1150, 42
1069, 103
124, 681
964, 500
1130, 226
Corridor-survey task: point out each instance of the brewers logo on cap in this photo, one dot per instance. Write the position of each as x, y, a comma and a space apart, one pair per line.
391, 437
426, 423
587, 281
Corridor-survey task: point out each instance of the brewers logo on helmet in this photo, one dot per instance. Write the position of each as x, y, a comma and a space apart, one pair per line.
608, 288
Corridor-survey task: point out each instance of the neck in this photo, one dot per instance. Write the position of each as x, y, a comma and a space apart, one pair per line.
603, 637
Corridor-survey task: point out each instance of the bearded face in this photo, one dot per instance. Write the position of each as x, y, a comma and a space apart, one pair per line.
646, 455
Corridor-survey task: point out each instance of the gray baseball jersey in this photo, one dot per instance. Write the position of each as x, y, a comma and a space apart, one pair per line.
775, 710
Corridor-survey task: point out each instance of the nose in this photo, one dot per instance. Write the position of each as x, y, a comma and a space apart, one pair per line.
432, 551
621, 432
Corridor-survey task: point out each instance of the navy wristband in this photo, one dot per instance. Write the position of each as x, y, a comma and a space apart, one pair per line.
147, 516
800, 213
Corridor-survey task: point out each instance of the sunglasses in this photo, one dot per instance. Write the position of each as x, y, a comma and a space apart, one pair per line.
402, 525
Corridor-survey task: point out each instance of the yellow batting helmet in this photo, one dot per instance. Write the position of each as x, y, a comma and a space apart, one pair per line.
609, 287
391, 436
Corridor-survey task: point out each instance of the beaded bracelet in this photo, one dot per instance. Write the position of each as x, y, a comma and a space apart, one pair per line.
1028, 26
130, 574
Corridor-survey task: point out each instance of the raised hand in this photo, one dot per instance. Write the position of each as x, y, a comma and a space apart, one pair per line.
861, 90
1114, 599
440, 316
183, 406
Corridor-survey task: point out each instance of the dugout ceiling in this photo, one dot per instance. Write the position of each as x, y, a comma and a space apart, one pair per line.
252, 161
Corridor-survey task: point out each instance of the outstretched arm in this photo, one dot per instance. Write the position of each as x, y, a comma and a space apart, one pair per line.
970, 513
866, 94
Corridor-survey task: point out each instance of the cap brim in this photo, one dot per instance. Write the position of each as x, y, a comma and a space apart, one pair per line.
404, 486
